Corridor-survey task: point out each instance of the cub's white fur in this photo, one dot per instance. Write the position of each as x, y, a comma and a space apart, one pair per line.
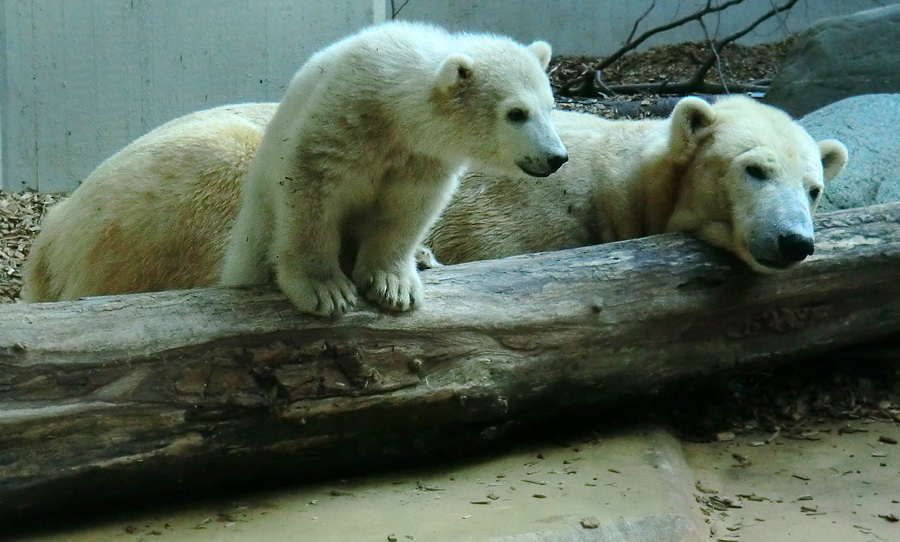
365, 150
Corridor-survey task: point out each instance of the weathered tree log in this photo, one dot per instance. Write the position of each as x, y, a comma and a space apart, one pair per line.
116, 397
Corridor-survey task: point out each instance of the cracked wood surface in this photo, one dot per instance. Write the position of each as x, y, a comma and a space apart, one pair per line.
111, 399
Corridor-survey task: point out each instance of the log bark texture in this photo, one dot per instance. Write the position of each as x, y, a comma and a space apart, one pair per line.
114, 398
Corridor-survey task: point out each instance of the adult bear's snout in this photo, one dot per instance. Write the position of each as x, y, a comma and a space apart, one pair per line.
794, 247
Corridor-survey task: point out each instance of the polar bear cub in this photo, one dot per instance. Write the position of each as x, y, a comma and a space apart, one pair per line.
365, 150
738, 174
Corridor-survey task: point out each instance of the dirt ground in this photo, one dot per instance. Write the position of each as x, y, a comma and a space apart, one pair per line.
794, 401
611, 484
530, 487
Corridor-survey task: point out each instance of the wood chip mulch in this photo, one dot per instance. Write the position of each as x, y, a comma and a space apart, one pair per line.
20, 216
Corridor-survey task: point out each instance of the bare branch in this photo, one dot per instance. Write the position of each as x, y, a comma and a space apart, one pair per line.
715, 53
765, 17
639, 21
718, 46
395, 10
583, 85
674, 24
586, 84
782, 21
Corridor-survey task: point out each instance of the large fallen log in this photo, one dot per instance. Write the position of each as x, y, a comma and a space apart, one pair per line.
117, 397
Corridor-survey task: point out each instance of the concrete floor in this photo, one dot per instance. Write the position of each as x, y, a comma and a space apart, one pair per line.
633, 486
841, 487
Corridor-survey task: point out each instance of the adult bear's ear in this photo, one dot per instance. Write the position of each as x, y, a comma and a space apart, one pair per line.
454, 69
834, 157
690, 122
543, 52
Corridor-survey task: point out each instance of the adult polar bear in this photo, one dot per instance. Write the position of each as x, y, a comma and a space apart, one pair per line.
738, 174
155, 216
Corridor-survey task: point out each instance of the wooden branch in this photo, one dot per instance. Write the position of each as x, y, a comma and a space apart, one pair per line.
395, 10
638, 21
116, 398
569, 88
697, 15
719, 45
587, 82
716, 58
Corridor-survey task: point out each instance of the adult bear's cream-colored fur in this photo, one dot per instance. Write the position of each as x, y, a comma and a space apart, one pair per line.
155, 215
130, 228
740, 175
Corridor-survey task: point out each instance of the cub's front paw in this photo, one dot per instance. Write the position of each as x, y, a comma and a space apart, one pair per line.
330, 297
393, 290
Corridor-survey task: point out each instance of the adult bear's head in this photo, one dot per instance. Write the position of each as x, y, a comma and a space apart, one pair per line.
752, 179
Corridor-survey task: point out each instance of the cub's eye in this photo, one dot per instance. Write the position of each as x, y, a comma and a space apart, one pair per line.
814, 192
517, 114
756, 172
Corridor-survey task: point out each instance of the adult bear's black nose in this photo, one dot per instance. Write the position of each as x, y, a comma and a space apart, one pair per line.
794, 247
555, 162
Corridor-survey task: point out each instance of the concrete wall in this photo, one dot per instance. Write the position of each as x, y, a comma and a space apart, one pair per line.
79, 79
599, 27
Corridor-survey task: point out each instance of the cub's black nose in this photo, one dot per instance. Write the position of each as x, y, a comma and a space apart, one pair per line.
555, 162
794, 247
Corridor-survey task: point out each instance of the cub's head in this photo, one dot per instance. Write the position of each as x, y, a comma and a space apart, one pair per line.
498, 98
752, 179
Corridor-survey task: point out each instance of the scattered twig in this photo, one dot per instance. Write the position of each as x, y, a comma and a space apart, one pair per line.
715, 53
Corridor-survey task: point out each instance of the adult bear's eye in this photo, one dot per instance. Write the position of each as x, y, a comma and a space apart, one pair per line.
814, 192
517, 114
757, 172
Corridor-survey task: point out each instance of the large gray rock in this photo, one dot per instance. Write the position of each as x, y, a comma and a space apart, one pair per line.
869, 126
840, 57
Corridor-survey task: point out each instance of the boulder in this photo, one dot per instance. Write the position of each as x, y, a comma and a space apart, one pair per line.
869, 126
837, 58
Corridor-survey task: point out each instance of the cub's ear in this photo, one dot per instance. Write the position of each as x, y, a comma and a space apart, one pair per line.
454, 69
543, 52
690, 121
834, 157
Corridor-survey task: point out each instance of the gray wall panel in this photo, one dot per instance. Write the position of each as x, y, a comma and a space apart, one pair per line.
599, 27
82, 78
